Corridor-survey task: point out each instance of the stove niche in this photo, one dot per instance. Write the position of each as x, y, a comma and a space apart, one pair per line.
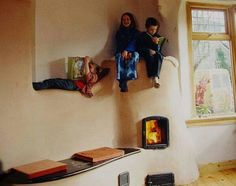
155, 132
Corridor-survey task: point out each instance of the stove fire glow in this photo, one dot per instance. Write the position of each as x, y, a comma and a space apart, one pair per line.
155, 132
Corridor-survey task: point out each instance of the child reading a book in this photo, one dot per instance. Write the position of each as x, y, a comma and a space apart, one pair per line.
149, 47
92, 76
126, 56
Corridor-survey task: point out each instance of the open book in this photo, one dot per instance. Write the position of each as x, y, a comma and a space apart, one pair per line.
75, 68
161, 41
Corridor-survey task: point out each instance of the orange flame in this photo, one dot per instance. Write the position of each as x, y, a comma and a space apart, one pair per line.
153, 132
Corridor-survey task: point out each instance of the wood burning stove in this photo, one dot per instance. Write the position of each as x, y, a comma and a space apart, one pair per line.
155, 132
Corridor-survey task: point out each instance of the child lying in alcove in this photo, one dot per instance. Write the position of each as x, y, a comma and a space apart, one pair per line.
93, 73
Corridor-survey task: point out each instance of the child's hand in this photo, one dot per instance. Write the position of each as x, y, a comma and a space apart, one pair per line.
86, 64
125, 54
86, 59
129, 55
152, 52
155, 40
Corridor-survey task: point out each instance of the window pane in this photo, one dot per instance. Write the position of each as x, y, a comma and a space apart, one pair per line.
212, 78
208, 21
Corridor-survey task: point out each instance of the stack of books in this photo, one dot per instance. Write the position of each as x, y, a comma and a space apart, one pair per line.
48, 167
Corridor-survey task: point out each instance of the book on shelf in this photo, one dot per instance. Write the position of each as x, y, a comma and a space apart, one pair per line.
40, 168
99, 154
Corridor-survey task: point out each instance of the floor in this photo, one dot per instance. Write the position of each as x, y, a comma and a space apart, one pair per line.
220, 178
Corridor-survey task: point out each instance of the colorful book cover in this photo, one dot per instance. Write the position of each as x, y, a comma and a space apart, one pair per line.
75, 68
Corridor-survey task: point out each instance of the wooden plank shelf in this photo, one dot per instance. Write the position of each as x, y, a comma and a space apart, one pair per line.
74, 167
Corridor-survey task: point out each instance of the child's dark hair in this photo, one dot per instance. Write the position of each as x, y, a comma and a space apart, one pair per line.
151, 21
131, 16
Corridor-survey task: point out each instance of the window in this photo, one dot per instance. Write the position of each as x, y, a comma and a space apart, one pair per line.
211, 45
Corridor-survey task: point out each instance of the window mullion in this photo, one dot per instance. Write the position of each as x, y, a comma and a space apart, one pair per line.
232, 27
210, 36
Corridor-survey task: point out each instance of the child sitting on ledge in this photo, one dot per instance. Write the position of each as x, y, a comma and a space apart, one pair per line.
149, 47
92, 76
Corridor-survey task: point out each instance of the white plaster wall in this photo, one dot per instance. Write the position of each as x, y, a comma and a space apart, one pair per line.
54, 124
214, 143
185, 65
168, 11
77, 28
130, 109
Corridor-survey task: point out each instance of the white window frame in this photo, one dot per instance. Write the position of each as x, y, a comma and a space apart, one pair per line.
229, 35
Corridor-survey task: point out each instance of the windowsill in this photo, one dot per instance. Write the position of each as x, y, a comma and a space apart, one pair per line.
217, 120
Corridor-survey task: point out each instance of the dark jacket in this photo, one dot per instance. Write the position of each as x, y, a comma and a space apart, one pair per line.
144, 43
126, 40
